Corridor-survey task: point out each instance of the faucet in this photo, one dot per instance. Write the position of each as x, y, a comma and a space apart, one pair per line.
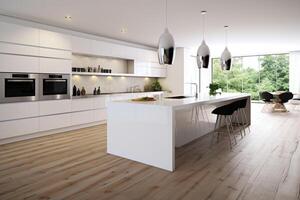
195, 84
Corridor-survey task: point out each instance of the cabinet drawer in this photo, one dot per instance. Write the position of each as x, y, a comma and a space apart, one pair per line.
18, 127
54, 40
18, 49
15, 63
55, 53
54, 107
51, 65
81, 45
19, 34
100, 115
82, 104
82, 117
55, 122
12, 111
99, 102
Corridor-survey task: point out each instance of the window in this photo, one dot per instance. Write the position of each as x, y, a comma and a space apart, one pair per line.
254, 74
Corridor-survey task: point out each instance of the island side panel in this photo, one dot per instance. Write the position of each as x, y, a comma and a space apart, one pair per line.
142, 133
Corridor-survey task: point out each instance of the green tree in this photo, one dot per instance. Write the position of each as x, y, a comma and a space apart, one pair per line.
272, 76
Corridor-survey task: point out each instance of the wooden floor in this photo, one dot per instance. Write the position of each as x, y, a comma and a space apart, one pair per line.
74, 165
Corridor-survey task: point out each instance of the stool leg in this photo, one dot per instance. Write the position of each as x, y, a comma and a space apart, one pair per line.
228, 132
234, 136
242, 119
216, 127
236, 113
243, 111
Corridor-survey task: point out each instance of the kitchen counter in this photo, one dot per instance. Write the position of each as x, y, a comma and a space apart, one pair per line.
149, 132
111, 93
189, 101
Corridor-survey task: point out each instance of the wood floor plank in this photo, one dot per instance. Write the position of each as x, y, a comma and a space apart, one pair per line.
74, 165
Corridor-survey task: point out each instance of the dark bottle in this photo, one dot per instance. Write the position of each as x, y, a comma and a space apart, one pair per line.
74, 90
95, 91
82, 91
98, 90
78, 92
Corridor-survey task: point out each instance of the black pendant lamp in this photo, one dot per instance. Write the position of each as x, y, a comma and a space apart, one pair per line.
203, 53
226, 55
166, 44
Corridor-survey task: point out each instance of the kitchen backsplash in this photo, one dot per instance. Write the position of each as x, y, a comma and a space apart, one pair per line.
109, 84
116, 65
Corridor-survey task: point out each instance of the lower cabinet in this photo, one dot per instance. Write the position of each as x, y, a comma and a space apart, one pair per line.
100, 115
83, 117
55, 122
18, 127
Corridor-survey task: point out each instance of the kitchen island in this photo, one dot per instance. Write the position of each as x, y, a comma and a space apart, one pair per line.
149, 132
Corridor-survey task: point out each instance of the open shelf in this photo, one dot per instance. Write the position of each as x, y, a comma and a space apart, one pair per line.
106, 74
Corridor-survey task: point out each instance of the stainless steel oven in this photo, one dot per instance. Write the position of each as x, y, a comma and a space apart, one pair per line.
54, 86
18, 87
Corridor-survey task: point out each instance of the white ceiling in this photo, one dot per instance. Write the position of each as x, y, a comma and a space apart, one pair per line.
257, 26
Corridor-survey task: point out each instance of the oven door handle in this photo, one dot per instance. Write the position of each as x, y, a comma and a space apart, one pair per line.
55, 80
19, 80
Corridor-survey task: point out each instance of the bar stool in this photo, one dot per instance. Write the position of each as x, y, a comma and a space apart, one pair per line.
241, 112
225, 112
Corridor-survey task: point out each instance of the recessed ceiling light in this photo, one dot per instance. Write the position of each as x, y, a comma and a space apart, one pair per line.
68, 17
124, 30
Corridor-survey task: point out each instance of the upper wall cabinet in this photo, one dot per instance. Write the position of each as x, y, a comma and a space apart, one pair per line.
102, 48
81, 45
18, 34
54, 40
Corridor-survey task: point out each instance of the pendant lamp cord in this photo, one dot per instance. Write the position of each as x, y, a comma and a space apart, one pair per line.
203, 23
166, 12
226, 35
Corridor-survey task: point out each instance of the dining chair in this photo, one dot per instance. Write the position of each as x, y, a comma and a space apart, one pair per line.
284, 98
267, 97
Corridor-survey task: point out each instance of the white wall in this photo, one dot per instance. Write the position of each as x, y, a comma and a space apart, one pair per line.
175, 79
294, 71
185, 71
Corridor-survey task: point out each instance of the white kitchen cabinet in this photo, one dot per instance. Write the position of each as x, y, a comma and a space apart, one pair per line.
81, 45
8, 48
83, 117
54, 107
55, 53
54, 122
18, 127
102, 48
17, 63
82, 104
100, 115
149, 69
99, 102
11, 111
158, 72
18, 34
51, 65
54, 40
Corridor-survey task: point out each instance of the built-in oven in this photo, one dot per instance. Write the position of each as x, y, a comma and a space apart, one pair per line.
18, 87
54, 86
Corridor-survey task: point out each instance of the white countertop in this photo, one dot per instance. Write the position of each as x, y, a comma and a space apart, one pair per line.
177, 103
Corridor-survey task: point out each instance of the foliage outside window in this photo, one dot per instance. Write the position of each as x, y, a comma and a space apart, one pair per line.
254, 74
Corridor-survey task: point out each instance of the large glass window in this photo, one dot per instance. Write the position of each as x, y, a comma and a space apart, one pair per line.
254, 74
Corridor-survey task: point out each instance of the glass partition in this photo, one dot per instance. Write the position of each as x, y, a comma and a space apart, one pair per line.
254, 74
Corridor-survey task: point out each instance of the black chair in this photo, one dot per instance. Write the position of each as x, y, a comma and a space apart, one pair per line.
285, 97
226, 112
266, 97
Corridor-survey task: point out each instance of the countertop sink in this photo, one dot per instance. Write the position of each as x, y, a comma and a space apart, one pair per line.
179, 97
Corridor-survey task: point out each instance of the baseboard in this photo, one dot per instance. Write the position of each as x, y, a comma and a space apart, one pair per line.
50, 132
